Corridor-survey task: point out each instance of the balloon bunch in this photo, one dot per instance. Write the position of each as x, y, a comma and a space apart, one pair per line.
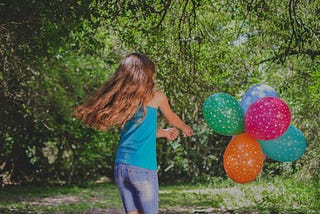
260, 126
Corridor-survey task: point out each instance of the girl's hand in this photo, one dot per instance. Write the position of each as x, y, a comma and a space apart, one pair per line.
187, 131
171, 133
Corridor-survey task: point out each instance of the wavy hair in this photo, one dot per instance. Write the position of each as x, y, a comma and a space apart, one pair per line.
128, 89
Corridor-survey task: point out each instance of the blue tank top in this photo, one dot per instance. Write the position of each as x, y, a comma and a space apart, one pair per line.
137, 144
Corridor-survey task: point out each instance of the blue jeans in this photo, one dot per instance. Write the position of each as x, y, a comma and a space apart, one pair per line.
138, 188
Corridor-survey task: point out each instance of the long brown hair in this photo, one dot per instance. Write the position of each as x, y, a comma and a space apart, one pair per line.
130, 87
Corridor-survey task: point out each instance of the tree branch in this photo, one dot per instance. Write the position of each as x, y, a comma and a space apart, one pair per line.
291, 52
165, 10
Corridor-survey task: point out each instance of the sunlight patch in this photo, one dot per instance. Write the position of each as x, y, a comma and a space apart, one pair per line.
53, 201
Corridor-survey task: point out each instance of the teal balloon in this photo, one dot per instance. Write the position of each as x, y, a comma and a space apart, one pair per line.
223, 114
288, 147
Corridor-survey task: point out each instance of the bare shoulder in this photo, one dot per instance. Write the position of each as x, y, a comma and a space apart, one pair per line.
159, 97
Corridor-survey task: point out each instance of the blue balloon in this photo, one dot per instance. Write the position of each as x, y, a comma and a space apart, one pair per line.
288, 147
254, 93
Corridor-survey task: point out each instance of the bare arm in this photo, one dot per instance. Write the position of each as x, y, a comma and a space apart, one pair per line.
171, 117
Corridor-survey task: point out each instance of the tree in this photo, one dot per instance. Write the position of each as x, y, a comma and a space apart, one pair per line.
54, 54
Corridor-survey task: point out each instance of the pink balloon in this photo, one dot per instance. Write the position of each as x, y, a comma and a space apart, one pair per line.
267, 118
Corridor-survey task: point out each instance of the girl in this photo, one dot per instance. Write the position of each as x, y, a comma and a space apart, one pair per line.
129, 100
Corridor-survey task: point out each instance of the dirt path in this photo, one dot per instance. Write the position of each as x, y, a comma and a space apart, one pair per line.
177, 211
67, 199
173, 211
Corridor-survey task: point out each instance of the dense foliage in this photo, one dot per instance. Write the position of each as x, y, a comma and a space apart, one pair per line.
55, 54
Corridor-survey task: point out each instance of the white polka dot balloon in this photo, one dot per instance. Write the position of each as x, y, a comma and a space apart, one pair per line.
288, 147
256, 92
223, 114
267, 118
243, 158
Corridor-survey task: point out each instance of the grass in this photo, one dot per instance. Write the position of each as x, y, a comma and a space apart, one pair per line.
264, 196
277, 195
58, 199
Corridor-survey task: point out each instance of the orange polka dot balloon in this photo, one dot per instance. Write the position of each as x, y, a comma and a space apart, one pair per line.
243, 158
